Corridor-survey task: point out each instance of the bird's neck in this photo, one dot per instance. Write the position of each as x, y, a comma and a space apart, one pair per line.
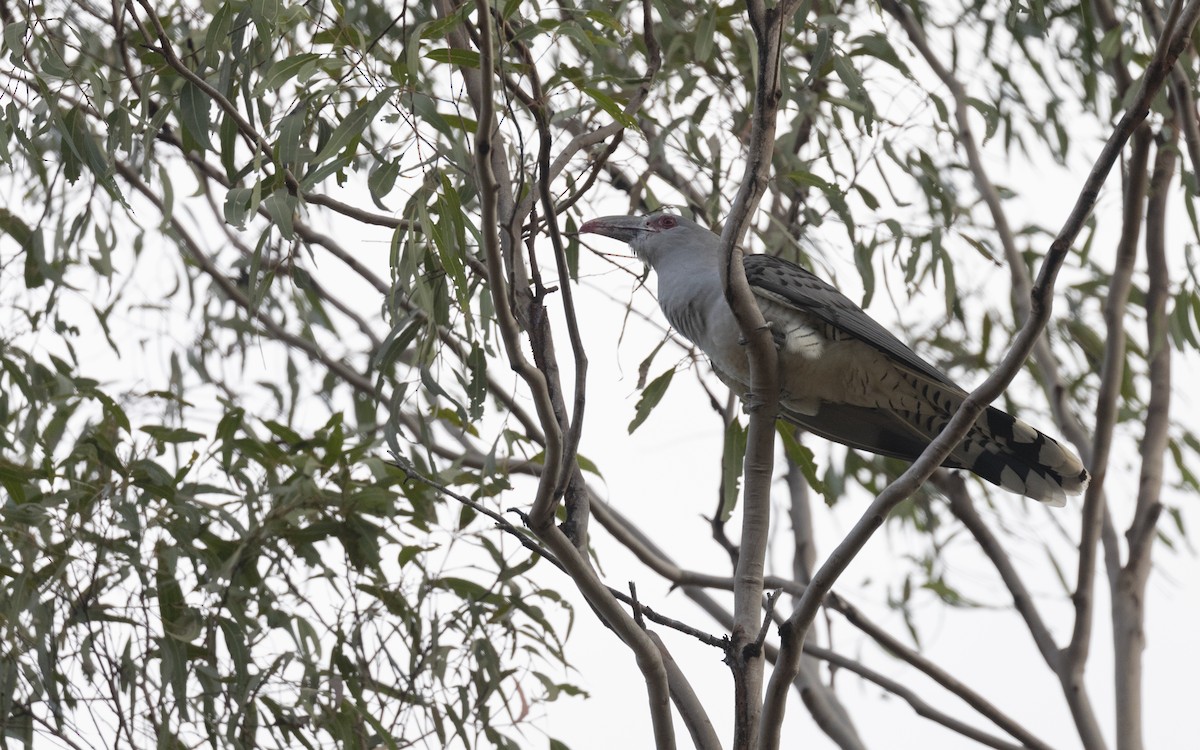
689, 286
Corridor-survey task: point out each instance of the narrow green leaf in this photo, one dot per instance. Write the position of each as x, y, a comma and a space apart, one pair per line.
449, 237
14, 41
216, 38
877, 46
37, 269
824, 45
81, 147
195, 115
867, 196
705, 34
849, 75
173, 663
1110, 44
463, 58
283, 432
239, 206
801, 456
352, 128
171, 434
980, 246
113, 410
281, 71
467, 589
733, 459
290, 137
607, 20
991, 116
6, 133
14, 227
587, 464
381, 181
651, 395
281, 205
442, 26
864, 254
940, 106
609, 105
834, 195
477, 387
265, 14
14, 478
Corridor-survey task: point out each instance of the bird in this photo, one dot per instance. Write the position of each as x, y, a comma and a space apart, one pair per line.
843, 376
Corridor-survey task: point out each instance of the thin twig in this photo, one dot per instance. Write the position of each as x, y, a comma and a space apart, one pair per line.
943, 678
637, 609
768, 609
910, 697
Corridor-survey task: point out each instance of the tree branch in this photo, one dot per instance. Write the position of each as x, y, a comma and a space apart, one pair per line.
542, 511
746, 661
649, 660
1129, 637
1073, 659
690, 708
911, 698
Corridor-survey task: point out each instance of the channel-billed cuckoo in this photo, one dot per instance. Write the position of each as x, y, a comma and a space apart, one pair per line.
843, 376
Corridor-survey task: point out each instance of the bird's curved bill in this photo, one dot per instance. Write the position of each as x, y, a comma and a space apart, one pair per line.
624, 228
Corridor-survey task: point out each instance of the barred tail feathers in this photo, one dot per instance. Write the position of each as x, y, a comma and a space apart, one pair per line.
1010, 453
910, 409
1000, 448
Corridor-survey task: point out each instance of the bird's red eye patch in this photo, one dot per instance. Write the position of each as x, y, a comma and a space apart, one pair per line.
665, 221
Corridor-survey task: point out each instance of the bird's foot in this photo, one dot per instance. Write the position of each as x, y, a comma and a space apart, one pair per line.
743, 341
751, 402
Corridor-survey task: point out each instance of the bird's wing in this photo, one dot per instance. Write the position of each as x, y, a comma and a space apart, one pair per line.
792, 286
864, 428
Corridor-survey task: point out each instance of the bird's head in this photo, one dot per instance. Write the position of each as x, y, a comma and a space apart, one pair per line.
653, 236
